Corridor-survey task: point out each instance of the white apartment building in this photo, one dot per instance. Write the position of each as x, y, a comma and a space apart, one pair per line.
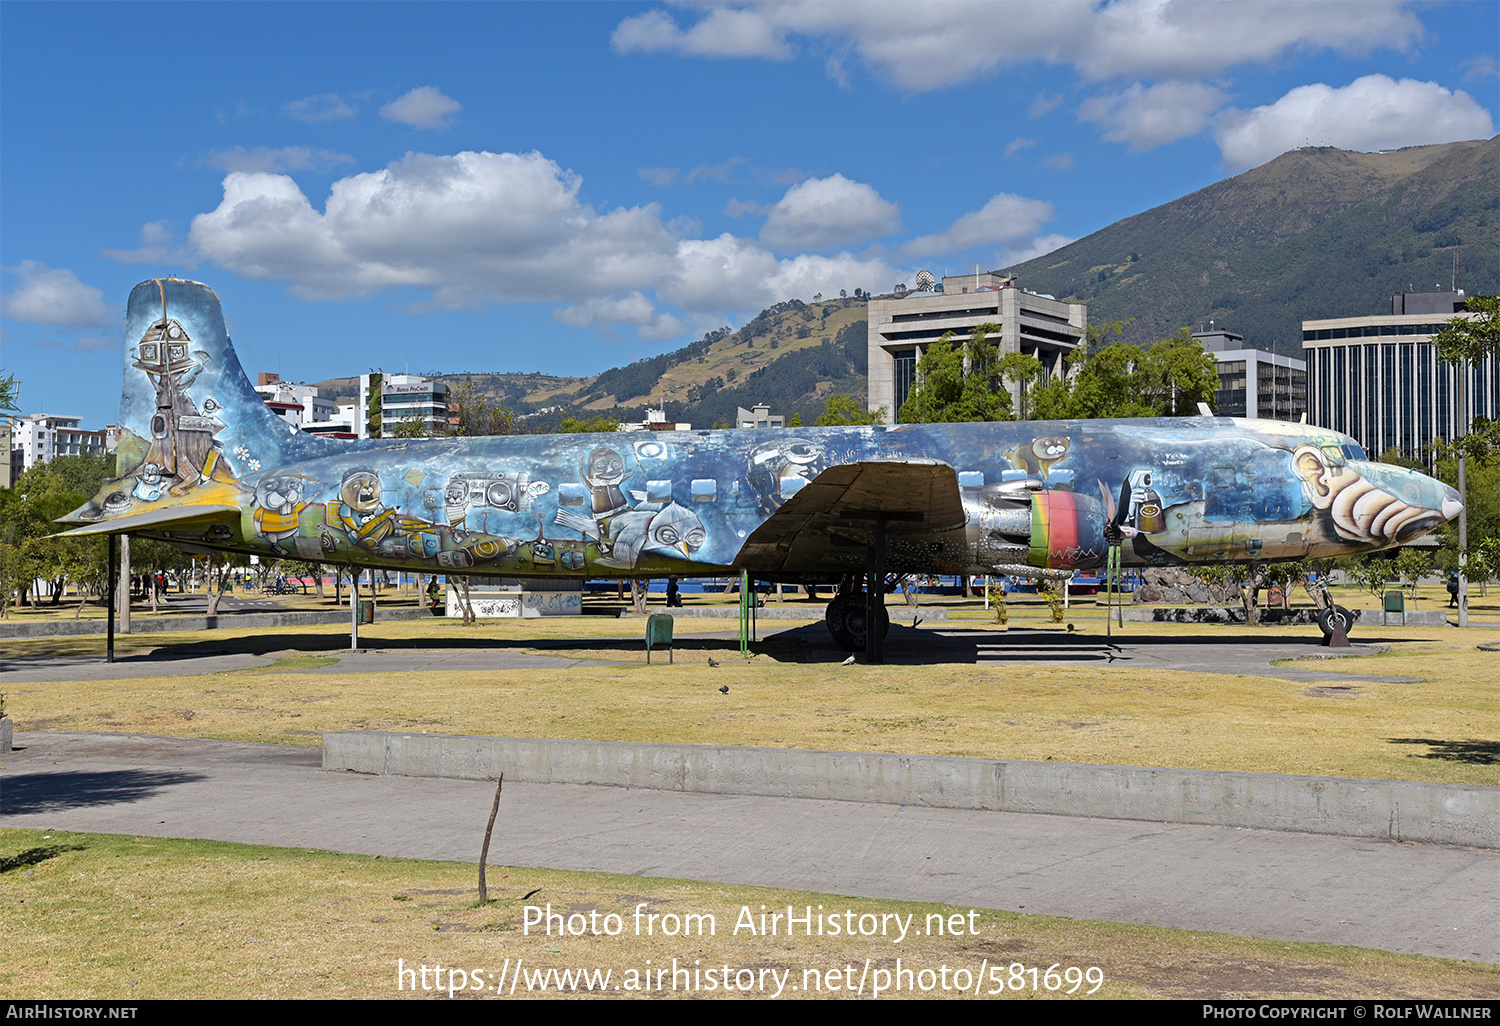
42, 437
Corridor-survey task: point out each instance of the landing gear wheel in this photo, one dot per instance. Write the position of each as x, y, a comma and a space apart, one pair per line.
1332, 619
847, 619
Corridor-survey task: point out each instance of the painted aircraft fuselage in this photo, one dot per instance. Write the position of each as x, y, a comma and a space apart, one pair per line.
204, 463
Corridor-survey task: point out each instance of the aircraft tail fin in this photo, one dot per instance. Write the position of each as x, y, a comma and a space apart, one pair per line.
192, 429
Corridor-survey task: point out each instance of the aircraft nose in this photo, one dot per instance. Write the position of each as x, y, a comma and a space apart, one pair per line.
1453, 503
1410, 486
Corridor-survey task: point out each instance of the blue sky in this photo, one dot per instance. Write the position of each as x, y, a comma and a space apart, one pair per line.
569, 187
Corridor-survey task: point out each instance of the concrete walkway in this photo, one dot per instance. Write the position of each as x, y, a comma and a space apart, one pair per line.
923, 645
1423, 899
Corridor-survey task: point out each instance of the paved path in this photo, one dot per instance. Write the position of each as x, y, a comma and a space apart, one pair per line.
1414, 898
924, 645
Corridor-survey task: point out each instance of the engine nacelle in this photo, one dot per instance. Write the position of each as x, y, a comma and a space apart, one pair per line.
1057, 530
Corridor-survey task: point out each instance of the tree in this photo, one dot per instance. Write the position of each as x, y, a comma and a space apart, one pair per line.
1024, 373
958, 385
1470, 339
843, 410
601, 423
478, 415
1247, 577
1116, 379
410, 427
10, 393
1466, 341
1410, 566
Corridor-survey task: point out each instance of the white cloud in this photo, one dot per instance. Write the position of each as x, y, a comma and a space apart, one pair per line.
1039, 246
826, 212
941, 44
1146, 117
1480, 67
1060, 161
633, 309
1192, 39
478, 227
1018, 144
1045, 103
659, 176
54, 295
730, 273
1371, 113
155, 247
423, 107
287, 158
1004, 217
723, 32
322, 107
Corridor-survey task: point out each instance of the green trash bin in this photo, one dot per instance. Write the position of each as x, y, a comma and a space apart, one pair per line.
366, 611
658, 634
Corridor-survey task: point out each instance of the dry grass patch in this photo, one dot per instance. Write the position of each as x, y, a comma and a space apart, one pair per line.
105, 916
1441, 729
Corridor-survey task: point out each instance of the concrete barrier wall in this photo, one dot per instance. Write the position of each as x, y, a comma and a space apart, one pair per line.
1436, 813
224, 621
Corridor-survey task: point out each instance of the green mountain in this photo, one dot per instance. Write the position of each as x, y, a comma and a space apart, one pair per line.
1317, 232
791, 356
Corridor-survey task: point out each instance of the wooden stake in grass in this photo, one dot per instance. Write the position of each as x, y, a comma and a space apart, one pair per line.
484, 853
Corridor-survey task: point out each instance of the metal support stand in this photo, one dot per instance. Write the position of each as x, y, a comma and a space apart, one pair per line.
109, 644
353, 609
1111, 590
875, 598
747, 606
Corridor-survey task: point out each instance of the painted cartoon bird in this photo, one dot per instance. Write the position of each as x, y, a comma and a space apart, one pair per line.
672, 530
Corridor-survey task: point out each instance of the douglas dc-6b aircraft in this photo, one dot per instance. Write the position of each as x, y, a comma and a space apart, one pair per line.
205, 464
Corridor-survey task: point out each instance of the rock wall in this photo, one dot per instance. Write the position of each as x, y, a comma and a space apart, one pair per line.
1175, 586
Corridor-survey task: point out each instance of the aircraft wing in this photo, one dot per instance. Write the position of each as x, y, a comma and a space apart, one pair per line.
830, 523
158, 519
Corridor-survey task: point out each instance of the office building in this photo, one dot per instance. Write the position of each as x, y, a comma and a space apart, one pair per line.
1254, 383
1377, 378
42, 437
403, 398
301, 406
758, 416
901, 329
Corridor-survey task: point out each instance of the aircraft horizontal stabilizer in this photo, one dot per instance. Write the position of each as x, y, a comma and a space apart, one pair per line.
830, 521
158, 519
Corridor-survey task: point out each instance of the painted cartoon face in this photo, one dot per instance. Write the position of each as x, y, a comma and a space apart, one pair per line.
361, 489
150, 474
1051, 449
1372, 503
606, 467
278, 493
678, 531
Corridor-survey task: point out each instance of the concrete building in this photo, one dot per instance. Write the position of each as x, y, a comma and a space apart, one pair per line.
758, 416
301, 406
1254, 383
901, 329
42, 437
1378, 379
7, 456
656, 420
403, 398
